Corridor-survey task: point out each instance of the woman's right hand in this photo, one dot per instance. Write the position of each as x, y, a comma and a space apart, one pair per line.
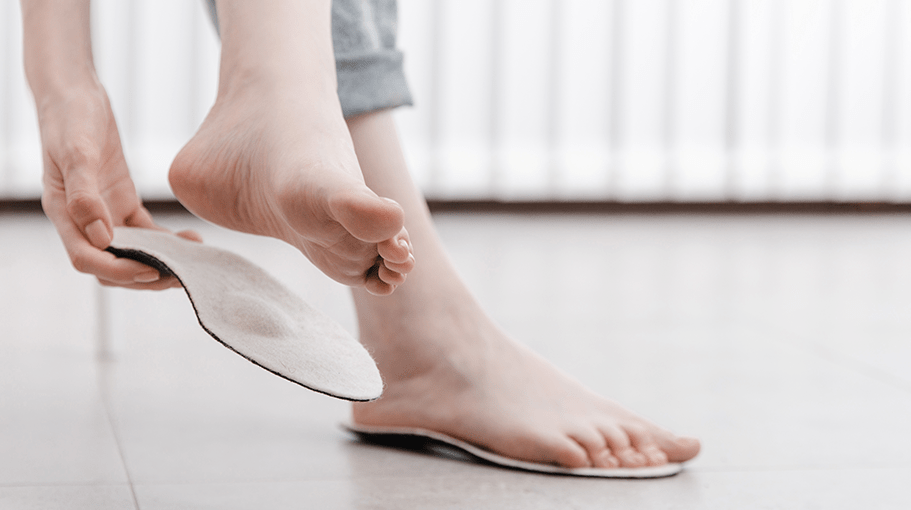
87, 187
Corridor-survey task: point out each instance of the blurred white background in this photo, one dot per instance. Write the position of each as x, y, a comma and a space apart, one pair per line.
628, 100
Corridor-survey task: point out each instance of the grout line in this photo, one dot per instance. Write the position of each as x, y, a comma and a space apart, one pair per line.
103, 367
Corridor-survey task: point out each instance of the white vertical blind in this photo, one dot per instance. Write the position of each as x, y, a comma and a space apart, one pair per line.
627, 100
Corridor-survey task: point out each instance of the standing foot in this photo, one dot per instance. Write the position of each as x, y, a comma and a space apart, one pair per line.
449, 369
475, 384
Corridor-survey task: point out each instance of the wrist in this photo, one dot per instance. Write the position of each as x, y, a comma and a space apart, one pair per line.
85, 102
52, 84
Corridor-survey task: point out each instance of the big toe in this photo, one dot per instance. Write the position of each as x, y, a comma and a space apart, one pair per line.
680, 449
366, 216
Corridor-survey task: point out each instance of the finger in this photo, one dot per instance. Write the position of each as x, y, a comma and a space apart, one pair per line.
87, 210
168, 282
142, 218
86, 258
190, 235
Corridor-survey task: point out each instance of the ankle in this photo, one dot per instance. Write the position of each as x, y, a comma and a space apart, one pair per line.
294, 52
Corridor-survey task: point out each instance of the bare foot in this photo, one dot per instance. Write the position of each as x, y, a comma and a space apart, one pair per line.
268, 163
449, 369
462, 377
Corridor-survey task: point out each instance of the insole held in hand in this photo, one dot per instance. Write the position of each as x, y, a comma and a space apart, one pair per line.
253, 314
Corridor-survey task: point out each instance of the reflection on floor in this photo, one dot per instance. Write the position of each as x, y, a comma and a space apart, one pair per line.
782, 341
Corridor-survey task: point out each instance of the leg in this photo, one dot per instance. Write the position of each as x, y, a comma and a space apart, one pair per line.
274, 157
448, 368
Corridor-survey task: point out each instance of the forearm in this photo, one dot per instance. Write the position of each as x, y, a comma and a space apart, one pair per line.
277, 43
57, 47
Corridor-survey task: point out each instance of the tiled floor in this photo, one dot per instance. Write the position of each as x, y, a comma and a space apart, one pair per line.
781, 341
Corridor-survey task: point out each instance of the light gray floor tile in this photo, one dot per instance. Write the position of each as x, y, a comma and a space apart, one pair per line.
67, 497
779, 340
53, 424
499, 489
45, 305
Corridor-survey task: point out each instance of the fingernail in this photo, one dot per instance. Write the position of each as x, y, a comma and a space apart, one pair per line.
147, 277
98, 234
404, 244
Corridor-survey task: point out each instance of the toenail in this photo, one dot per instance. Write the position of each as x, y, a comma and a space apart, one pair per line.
606, 459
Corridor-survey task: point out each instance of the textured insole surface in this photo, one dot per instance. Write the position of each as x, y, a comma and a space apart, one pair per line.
253, 314
406, 437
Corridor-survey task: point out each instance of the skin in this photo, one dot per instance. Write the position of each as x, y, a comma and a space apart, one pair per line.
87, 186
275, 157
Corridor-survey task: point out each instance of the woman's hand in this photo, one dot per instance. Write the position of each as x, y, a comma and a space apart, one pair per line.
88, 190
87, 187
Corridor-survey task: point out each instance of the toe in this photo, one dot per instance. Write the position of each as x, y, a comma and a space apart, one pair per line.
631, 458
621, 447
366, 216
606, 459
680, 449
654, 455
378, 287
403, 268
568, 453
644, 442
676, 448
389, 276
593, 442
557, 449
397, 250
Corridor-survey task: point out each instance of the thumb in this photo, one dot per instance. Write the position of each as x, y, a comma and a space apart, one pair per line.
87, 209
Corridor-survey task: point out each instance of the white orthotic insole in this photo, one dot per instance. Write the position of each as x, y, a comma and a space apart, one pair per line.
253, 314
384, 434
